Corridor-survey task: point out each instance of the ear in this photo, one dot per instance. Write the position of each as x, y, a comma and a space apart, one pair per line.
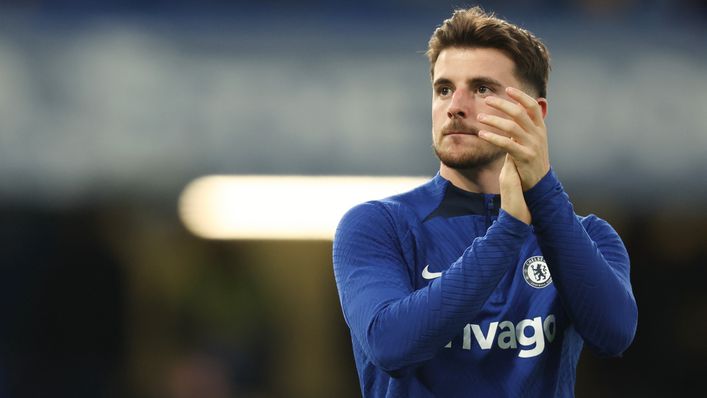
543, 105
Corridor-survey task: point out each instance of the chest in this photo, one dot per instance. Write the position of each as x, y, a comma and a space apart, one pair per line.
526, 290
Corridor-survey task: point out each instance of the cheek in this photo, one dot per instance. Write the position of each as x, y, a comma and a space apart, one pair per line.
439, 113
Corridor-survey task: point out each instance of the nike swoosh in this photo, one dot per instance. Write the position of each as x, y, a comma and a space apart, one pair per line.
426, 274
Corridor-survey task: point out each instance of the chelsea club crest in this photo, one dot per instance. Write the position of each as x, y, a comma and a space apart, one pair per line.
536, 273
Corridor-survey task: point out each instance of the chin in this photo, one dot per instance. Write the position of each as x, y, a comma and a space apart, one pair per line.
462, 160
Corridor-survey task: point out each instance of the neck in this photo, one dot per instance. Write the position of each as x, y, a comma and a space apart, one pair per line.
483, 179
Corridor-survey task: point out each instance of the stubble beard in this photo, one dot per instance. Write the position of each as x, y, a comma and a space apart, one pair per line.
477, 155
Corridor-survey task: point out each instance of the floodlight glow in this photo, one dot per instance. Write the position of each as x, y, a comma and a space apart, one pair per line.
279, 207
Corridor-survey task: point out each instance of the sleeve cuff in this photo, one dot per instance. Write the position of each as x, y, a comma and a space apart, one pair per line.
546, 185
512, 224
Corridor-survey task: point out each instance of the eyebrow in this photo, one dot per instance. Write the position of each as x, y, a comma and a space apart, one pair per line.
441, 81
484, 80
474, 82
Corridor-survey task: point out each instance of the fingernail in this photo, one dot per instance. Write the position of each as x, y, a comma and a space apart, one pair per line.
481, 116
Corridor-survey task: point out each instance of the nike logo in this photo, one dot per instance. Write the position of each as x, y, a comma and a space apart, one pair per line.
426, 274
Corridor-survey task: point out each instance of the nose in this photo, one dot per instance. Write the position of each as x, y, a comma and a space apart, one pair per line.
460, 105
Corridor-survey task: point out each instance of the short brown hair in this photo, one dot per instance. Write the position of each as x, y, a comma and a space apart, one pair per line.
474, 28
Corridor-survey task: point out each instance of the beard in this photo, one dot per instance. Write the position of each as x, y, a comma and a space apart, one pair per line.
458, 156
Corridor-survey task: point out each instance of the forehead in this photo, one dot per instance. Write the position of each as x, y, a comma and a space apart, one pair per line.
456, 63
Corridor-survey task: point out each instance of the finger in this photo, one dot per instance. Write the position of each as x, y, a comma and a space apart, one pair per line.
511, 163
513, 148
514, 111
505, 170
529, 103
506, 125
508, 167
506, 164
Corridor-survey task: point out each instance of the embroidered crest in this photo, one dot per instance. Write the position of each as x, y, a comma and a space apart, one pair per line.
536, 272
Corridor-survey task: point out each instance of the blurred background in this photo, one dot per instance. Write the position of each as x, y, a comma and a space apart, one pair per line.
109, 109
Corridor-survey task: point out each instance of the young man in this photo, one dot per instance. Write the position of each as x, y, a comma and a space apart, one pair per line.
452, 290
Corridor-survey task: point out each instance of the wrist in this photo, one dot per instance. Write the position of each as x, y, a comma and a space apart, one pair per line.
547, 185
533, 180
514, 222
518, 211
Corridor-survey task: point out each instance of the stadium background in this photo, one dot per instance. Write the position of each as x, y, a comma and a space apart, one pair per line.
109, 109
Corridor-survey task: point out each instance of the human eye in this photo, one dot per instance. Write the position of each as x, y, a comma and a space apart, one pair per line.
484, 90
444, 91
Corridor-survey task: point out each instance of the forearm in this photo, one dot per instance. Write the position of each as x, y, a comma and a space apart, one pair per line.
413, 329
591, 273
399, 328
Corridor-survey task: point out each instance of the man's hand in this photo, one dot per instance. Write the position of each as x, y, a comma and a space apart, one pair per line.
512, 200
526, 134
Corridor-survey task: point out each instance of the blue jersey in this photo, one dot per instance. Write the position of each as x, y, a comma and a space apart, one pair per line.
447, 295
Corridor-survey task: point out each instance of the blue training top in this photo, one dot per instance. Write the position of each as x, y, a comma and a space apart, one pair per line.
446, 295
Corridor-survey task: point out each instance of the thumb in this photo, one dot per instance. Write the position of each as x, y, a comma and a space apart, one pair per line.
509, 178
508, 168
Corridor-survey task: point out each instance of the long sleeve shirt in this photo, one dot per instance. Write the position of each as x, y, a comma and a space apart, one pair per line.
447, 295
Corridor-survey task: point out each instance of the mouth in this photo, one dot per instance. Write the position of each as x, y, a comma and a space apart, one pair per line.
460, 132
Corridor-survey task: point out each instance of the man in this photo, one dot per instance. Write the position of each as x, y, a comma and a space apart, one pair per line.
452, 290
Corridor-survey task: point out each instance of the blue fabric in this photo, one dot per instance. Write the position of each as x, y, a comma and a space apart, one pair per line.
480, 328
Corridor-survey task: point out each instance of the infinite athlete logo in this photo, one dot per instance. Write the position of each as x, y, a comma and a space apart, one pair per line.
536, 272
508, 335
